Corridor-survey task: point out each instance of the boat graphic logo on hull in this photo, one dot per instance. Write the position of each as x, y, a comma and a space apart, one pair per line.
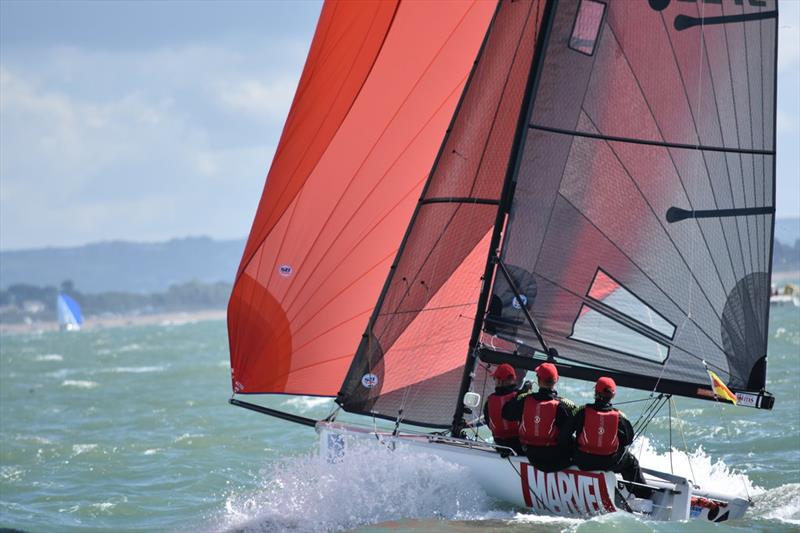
285, 270
568, 492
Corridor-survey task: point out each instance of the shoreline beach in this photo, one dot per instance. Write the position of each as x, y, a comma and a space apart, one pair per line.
101, 322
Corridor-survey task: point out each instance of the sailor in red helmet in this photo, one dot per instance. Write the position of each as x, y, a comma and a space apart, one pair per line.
541, 417
603, 433
505, 432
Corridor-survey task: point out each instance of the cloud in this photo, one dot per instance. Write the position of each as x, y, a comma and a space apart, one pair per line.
138, 144
256, 98
789, 37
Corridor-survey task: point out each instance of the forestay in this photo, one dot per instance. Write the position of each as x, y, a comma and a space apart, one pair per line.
411, 360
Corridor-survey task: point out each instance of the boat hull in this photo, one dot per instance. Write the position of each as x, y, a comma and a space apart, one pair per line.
568, 493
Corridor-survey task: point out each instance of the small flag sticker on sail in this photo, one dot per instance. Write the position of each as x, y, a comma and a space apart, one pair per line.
720, 389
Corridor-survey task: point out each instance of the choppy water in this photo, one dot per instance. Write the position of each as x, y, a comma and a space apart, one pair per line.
128, 429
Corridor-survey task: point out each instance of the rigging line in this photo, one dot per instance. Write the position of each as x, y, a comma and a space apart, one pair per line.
648, 414
683, 437
390, 122
635, 401
321, 123
671, 468
647, 409
721, 412
666, 232
482, 155
647, 276
697, 134
669, 153
427, 309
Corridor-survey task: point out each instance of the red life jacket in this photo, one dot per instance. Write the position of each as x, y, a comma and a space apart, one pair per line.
538, 427
599, 435
501, 428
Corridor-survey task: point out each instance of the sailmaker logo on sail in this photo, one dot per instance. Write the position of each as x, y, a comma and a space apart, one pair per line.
565, 492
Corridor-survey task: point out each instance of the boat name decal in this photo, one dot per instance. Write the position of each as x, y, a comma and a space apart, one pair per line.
566, 492
747, 400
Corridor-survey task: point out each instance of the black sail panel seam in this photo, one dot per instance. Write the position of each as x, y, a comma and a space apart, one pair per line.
741, 164
460, 200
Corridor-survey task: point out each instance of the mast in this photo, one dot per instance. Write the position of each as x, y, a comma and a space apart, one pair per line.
502, 210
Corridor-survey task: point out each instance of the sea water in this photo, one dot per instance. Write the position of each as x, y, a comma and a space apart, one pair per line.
129, 429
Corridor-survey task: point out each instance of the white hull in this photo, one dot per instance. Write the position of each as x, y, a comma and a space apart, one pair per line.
570, 493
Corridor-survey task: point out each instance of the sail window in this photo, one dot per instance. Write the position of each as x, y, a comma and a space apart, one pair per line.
607, 291
596, 329
587, 26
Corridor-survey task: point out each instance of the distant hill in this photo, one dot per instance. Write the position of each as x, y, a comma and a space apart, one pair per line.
154, 267
787, 230
124, 266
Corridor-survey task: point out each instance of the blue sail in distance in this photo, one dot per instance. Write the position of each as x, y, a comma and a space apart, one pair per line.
69, 313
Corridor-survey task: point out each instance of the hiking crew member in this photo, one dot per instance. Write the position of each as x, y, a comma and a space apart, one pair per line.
505, 432
541, 417
603, 433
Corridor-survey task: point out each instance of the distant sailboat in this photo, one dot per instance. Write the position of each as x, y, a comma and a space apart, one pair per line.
70, 317
602, 199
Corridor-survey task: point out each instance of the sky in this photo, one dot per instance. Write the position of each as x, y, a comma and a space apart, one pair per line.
147, 121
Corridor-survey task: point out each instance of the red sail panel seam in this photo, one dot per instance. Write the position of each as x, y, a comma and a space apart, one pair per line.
378, 141
246, 262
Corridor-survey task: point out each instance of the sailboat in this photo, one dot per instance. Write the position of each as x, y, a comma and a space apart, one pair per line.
464, 184
70, 317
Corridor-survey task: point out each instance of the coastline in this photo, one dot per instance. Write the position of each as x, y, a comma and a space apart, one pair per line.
101, 322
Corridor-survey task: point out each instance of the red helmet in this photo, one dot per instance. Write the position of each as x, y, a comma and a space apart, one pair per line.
504, 372
606, 387
547, 372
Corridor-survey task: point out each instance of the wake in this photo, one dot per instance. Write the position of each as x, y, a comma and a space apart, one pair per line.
372, 484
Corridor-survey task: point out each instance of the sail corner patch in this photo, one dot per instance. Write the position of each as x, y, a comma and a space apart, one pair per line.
369, 381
